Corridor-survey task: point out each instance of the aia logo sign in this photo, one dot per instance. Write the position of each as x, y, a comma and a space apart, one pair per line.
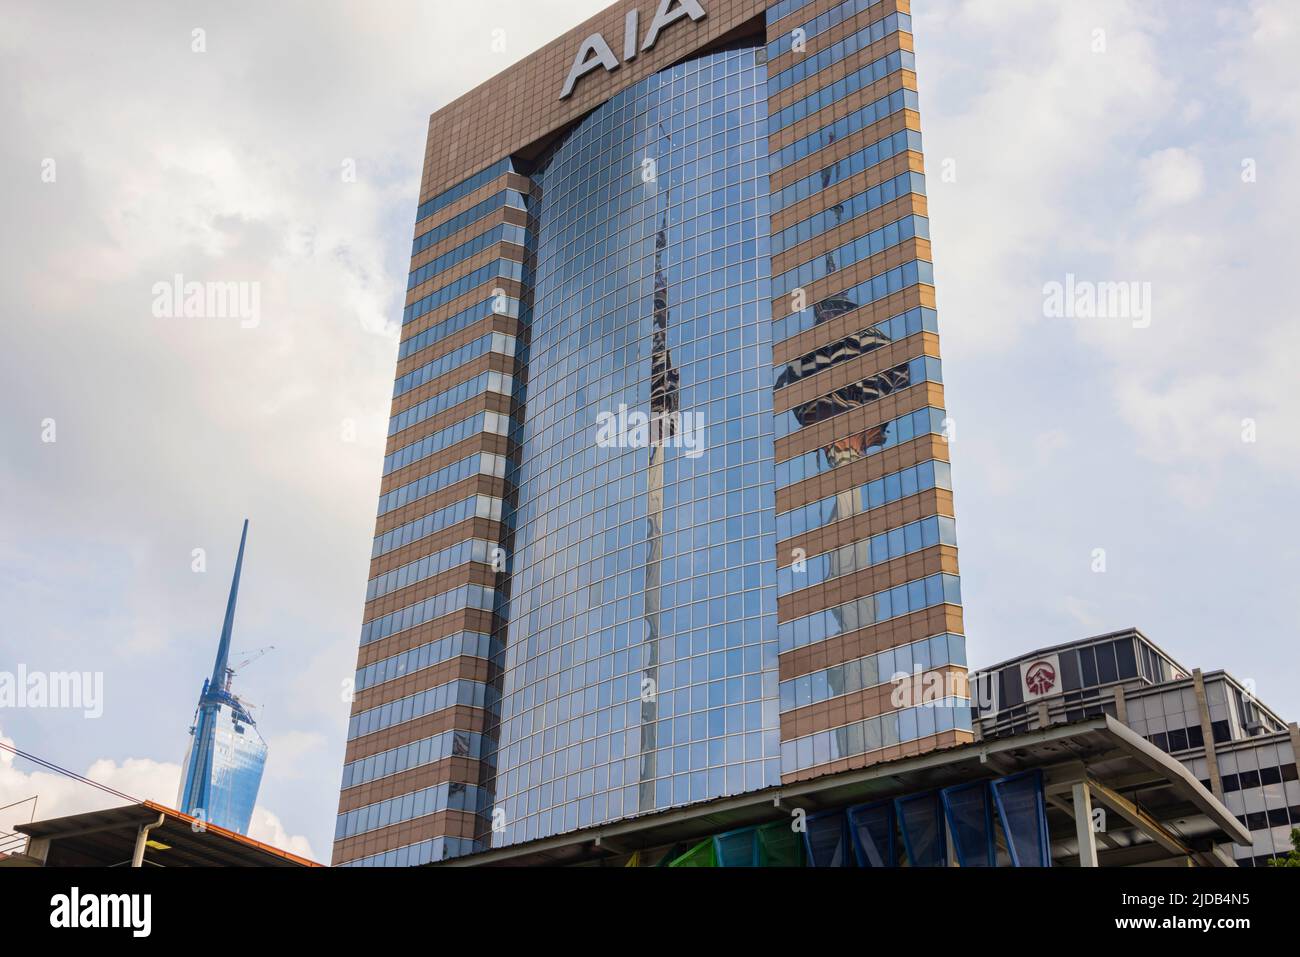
1040, 677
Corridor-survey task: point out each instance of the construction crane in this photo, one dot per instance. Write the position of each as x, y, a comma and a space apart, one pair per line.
248, 658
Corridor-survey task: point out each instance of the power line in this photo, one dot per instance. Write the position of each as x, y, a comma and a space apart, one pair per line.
58, 769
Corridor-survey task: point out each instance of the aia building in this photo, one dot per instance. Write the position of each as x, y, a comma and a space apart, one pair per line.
712, 214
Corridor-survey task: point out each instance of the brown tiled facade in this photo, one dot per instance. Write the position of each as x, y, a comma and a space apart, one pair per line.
436, 800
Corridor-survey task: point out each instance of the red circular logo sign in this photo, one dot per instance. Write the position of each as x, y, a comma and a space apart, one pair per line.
1040, 677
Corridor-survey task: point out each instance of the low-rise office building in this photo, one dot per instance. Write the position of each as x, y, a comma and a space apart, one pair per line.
1239, 749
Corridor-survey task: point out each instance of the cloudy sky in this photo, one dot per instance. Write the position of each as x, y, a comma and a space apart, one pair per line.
1133, 141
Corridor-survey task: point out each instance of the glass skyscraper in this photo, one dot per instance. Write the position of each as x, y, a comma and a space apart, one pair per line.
666, 500
235, 776
226, 755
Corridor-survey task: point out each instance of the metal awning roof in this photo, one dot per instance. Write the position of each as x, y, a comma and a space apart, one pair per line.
107, 838
1129, 770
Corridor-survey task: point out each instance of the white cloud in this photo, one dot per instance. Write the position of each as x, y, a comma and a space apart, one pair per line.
294, 749
266, 827
1030, 123
1171, 177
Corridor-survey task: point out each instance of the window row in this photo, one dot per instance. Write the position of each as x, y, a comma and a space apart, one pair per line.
854, 163
619, 197
855, 556
598, 366
497, 382
625, 275
680, 610
1178, 739
476, 506
858, 395
501, 233
612, 540
854, 448
729, 403
601, 376
458, 599
864, 293
1264, 777
559, 497
480, 463
821, 23
490, 423
869, 610
417, 754
495, 305
816, 62
699, 148
425, 852
895, 329
684, 123
470, 550
614, 570
460, 691
497, 342
556, 518
500, 269
1276, 817
506, 198
463, 188
827, 96
783, 8
856, 501
472, 644
841, 129
855, 251
873, 734
841, 213
568, 473
631, 606
448, 796
872, 670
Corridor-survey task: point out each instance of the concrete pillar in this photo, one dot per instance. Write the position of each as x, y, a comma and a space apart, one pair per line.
1121, 706
1207, 732
38, 848
1083, 824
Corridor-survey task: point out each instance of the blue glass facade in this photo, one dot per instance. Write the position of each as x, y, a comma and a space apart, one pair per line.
640, 649
235, 775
